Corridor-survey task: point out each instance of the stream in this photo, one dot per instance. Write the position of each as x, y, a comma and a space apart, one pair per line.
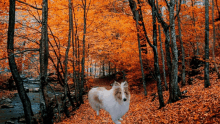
12, 114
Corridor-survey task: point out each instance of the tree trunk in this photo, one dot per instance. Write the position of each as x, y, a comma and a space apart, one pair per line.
182, 49
74, 37
44, 105
196, 52
13, 67
206, 70
109, 68
174, 72
138, 17
156, 62
162, 57
83, 58
214, 40
103, 68
95, 71
66, 63
167, 39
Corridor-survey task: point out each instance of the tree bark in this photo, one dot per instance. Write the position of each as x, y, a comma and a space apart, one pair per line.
174, 72
156, 62
206, 70
137, 14
103, 68
182, 49
214, 40
83, 57
196, 52
75, 72
167, 39
13, 67
162, 58
44, 105
66, 63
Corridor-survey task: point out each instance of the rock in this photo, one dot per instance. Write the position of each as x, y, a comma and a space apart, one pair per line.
21, 120
8, 100
26, 89
36, 89
7, 106
9, 122
72, 93
3, 98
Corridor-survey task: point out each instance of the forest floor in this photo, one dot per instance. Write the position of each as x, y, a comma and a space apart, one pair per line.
202, 106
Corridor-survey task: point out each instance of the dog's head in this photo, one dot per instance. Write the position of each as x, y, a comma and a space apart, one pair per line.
121, 92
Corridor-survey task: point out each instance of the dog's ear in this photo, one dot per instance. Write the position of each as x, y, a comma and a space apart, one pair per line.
125, 84
116, 84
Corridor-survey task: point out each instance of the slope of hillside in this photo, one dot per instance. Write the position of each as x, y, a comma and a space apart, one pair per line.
202, 106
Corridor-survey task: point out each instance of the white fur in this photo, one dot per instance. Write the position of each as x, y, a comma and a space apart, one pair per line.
109, 103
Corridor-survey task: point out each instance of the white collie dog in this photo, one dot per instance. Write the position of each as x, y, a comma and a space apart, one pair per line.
115, 101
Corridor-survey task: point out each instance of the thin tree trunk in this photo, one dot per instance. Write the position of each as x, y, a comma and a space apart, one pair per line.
44, 105
194, 24
95, 70
162, 57
156, 62
13, 67
76, 65
103, 68
182, 49
174, 72
137, 16
109, 68
66, 63
214, 40
206, 70
71, 32
83, 57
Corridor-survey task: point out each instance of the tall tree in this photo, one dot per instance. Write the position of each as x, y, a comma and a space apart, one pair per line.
44, 105
170, 37
137, 14
13, 67
174, 72
167, 36
195, 51
214, 40
83, 57
206, 70
141, 28
156, 62
66, 61
162, 58
162, 54
182, 48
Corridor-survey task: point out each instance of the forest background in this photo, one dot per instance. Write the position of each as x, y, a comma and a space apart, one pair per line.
134, 40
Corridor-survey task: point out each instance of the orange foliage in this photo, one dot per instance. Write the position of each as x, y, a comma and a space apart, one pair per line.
112, 37
202, 106
111, 33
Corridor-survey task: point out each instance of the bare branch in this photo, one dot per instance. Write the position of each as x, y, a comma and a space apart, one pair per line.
168, 5
178, 11
29, 5
29, 49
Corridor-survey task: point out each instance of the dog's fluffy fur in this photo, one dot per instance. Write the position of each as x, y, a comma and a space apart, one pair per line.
115, 101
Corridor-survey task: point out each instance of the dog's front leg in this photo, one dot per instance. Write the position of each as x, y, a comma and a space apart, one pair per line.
97, 111
117, 122
115, 119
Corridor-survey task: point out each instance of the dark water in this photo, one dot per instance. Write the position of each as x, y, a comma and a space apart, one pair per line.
16, 112
13, 114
